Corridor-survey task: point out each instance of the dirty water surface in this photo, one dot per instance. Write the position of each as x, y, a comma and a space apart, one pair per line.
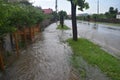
49, 59
46, 59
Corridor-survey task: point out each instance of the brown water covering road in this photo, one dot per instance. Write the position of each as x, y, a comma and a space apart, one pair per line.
49, 59
46, 59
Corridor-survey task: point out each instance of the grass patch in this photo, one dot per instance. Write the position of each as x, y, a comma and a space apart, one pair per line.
78, 65
110, 24
96, 57
64, 27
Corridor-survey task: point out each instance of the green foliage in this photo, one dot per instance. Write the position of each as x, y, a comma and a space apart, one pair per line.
14, 16
64, 13
53, 17
26, 16
5, 13
80, 3
110, 24
111, 13
18, 17
61, 16
98, 16
39, 16
26, 3
95, 56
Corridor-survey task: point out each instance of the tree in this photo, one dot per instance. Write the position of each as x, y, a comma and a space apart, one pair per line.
62, 15
111, 13
82, 5
111, 10
54, 16
61, 18
5, 13
16, 16
116, 11
4, 27
25, 16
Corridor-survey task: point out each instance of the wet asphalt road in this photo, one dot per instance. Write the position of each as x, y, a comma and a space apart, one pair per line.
106, 36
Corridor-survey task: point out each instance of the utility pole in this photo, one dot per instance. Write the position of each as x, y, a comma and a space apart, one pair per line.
56, 9
97, 6
56, 6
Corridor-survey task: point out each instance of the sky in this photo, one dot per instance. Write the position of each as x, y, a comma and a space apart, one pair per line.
66, 6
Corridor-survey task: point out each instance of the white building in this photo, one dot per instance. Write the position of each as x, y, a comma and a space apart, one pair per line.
118, 16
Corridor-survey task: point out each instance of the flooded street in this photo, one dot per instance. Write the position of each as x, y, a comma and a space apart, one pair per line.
49, 57
46, 59
106, 36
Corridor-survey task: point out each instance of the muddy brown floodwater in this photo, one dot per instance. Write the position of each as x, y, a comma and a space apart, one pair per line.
49, 57
46, 59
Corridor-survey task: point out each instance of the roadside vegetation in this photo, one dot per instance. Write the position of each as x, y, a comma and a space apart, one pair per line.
95, 56
110, 24
17, 17
107, 17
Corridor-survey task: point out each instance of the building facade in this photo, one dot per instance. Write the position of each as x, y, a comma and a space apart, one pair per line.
47, 11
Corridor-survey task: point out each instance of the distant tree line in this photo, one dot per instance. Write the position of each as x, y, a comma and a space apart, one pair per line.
109, 16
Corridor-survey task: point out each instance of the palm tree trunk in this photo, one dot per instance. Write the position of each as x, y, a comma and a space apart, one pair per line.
74, 24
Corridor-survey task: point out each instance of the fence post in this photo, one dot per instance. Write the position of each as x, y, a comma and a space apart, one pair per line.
25, 38
1, 61
16, 43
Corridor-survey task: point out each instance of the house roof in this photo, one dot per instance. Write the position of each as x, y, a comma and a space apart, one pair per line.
48, 11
